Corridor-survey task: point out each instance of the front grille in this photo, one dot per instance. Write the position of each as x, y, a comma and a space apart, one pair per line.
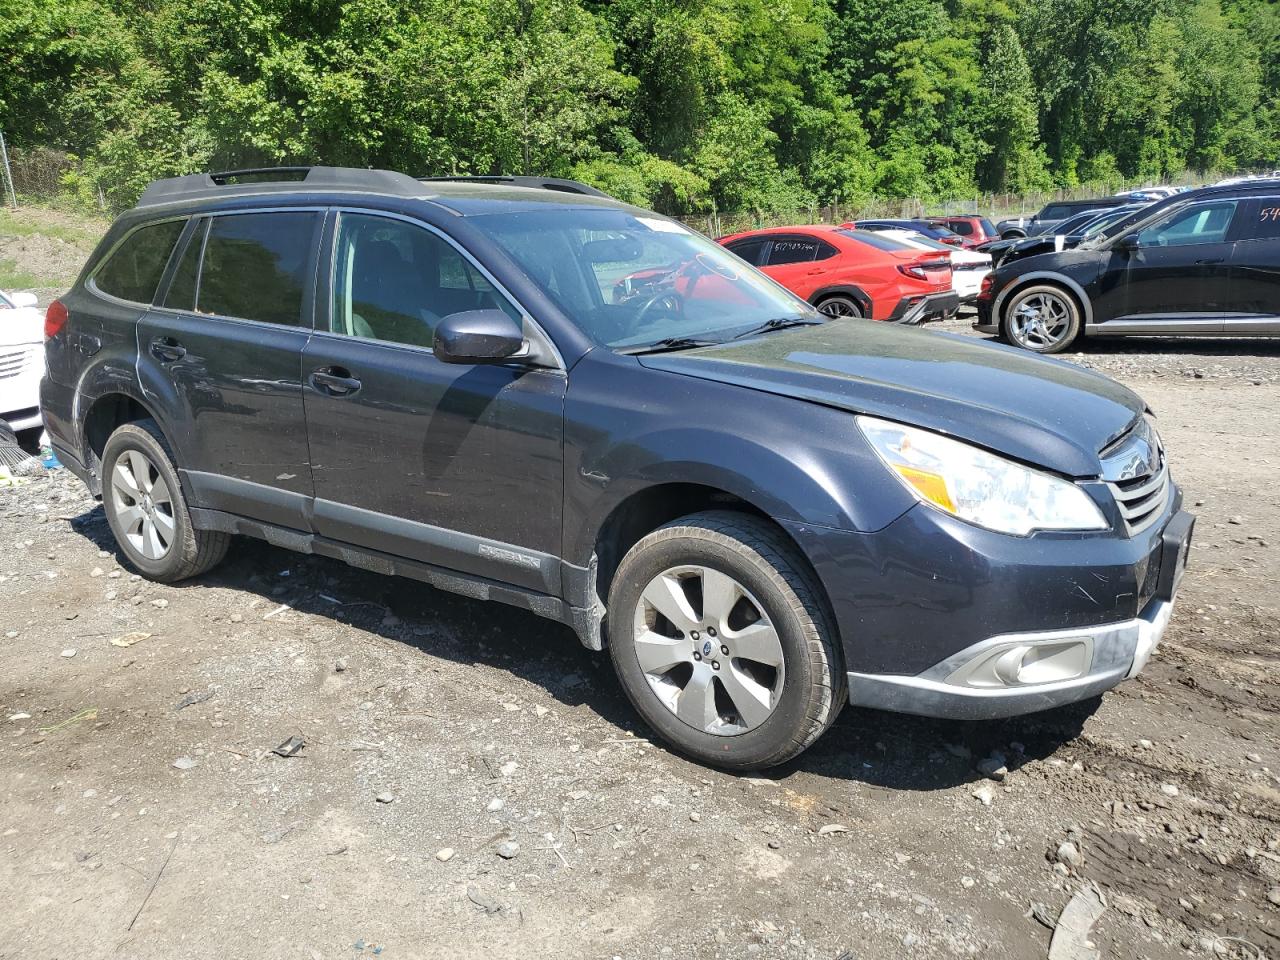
13, 362
1135, 471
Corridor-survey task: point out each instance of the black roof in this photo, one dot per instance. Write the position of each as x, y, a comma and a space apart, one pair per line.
455, 192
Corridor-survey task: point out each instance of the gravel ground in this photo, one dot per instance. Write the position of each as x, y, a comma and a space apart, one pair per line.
473, 783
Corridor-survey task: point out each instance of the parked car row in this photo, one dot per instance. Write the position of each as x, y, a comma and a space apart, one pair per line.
1203, 262
867, 269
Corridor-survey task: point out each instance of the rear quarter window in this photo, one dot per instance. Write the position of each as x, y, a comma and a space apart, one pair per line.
132, 270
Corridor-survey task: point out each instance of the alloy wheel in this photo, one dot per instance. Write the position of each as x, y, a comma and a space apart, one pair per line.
1040, 321
838, 307
708, 650
142, 504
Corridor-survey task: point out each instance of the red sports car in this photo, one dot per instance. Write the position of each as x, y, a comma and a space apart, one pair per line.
846, 272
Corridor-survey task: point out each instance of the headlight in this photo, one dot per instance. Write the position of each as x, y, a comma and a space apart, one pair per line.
980, 487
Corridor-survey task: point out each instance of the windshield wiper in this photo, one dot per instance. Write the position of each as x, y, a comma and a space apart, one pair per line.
777, 323
671, 343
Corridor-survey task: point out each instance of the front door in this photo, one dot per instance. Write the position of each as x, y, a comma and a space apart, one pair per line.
1178, 278
222, 350
453, 465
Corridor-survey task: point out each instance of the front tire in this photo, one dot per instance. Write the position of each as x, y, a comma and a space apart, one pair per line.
723, 642
146, 510
1044, 318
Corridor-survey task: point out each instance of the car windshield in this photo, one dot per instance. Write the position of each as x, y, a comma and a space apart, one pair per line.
920, 240
1058, 211
1114, 223
631, 281
1072, 224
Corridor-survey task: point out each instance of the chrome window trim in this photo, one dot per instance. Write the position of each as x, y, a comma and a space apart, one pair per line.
526, 317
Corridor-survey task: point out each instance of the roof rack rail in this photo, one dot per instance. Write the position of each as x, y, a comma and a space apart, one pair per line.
537, 183
198, 186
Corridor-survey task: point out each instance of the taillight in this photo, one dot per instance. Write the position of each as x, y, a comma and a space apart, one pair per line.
919, 268
55, 318
988, 282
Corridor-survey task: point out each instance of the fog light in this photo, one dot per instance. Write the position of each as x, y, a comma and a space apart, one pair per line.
1027, 664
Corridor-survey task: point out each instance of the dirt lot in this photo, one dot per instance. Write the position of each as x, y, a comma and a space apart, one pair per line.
143, 813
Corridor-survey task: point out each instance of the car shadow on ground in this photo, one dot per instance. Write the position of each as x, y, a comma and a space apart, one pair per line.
878, 749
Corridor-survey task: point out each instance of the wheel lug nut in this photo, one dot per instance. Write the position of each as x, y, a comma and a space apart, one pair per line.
715, 664
724, 650
711, 631
697, 656
694, 634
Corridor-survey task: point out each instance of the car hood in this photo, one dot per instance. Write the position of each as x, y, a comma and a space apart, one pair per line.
1044, 412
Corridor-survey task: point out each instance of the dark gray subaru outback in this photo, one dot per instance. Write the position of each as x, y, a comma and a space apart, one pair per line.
538, 395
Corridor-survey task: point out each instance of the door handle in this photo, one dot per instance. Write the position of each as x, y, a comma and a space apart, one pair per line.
335, 381
817, 270
1211, 260
167, 349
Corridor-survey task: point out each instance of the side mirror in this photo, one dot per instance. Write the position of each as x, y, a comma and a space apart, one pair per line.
1129, 242
478, 336
24, 299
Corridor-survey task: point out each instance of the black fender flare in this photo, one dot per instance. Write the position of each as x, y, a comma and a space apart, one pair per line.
848, 290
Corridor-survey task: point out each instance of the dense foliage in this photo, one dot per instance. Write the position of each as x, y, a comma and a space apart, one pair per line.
744, 104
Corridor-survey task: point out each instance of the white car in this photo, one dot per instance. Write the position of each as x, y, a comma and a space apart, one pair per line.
968, 267
21, 360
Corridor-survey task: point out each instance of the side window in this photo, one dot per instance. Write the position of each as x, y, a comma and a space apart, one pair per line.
1263, 223
825, 251
1202, 223
751, 251
395, 281
255, 266
133, 270
182, 289
792, 250
962, 227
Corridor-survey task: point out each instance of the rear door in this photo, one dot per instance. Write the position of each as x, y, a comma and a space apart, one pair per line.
449, 464
222, 351
1179, 278
1255, 269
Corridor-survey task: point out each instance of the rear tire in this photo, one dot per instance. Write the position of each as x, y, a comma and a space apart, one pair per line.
730, 582
1043, 318
839, 306
147, 511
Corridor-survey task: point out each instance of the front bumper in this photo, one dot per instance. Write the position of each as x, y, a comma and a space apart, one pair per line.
1090, 661
942, 619
917, 309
